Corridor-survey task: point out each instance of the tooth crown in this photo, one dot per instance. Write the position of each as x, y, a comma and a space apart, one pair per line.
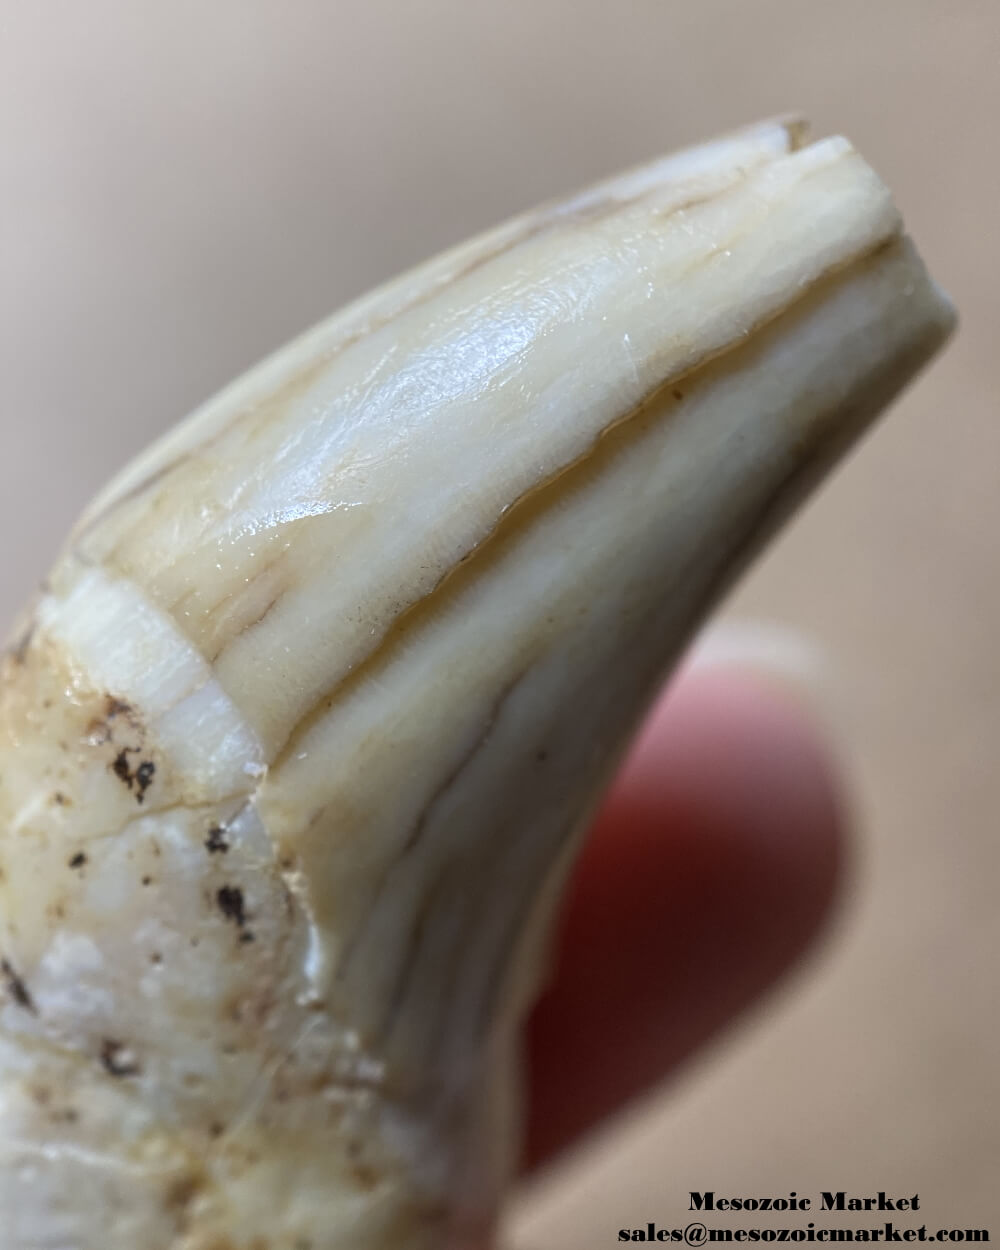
297, 743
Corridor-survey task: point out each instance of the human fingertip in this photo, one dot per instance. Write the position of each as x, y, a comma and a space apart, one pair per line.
712, 866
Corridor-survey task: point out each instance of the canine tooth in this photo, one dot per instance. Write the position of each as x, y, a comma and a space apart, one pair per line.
296, 744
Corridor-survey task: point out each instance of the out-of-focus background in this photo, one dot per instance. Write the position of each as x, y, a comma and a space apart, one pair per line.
187, 184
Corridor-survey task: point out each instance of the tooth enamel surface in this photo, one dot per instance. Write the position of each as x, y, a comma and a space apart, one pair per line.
297, 743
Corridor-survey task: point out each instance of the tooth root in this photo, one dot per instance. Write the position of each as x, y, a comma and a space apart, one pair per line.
298, 748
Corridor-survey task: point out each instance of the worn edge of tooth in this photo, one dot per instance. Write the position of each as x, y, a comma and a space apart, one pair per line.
277, 978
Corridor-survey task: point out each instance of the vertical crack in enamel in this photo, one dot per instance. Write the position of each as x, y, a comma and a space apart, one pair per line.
383, 892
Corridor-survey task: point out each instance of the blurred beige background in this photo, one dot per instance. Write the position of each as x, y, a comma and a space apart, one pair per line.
186, 184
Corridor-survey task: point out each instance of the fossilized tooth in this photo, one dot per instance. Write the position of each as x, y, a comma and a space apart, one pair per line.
297, 742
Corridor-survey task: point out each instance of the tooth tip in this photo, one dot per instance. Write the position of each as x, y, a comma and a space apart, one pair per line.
796, 127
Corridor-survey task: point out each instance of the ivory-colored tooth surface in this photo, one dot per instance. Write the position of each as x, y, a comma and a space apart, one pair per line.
347, 456
297, 743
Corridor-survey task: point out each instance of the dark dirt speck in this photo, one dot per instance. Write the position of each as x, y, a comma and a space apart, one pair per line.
117, 1059
230, 900
144, 778
216, 843
15, 986
138, 780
